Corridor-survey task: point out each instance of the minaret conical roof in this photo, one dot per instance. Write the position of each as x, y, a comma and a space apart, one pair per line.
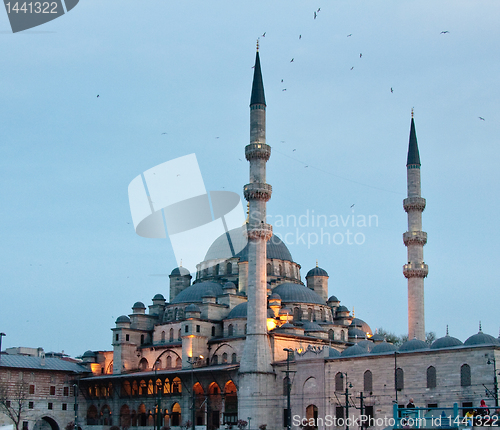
257, 86
413, 155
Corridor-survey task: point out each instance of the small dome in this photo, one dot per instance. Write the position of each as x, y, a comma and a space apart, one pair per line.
446, 342
297, 293
192, 308
359, 323
159, 297
138, 305
317, 271
312, 326
383, 347
274, 296
333, 299
333, 353
368, 345
354, 332
481, 339
287, 325
209, 293
377, 337
195, 293
180, 271
413, 345
342, 309
240, 311
88, 354
285, 311
122, 319
353, 350
229, 286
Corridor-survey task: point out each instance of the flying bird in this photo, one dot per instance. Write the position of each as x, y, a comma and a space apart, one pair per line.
300, 36
349, 35
284, 89
392, 90
481, 118
352, 67
318, 9
164, 133
294, 150
97, 95
444, 32
264, 35
353, 205
315, 15
291, 61
360, 55
282, 80
306, 166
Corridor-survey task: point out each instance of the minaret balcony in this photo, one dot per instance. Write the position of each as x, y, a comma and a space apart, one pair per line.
257, 150
261, 231
257, 191
415, 270
414, 204
415, 238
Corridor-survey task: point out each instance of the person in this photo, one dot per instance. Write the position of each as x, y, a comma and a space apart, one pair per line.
483, 409
410, 404
469, 416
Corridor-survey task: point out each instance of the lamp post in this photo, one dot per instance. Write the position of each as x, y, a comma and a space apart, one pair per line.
1, 335
495, 380
396, 374
347, 386
288, 389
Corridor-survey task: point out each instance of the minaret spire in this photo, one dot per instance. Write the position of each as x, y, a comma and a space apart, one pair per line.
256, 373
415, 239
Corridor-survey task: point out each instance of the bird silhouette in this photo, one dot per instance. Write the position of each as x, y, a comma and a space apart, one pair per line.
444, 32
349, 35
264, 35
284, 89
352, 67
315, 15
318, 9
360, 55
353, 205
392, 90
481, 118
164, 133
282, 80
300, 36
291, 61
294, 150
97, 95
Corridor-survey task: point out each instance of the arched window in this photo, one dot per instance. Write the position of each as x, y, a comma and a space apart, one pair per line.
331, 334
150, 388
171, 338
465, 378
142, 417
213, 330
269, 269
143, 364
322, 315
176, 386
224, 357
163, 336
296, 314
282, 272
216, 269
230, 330
175, 418
169, 362
92, 415
342, 335
229, 269
142, 339
179, 335
339, 382
233, 358
431, 377
215, 359
367, 381
143, 388
178, 362
124, 416
135, 388
400, 379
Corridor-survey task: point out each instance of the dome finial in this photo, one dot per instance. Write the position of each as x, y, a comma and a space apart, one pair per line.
447, 334
316, 262
353, 312
180, 265
411, 108
257, 45
480, 329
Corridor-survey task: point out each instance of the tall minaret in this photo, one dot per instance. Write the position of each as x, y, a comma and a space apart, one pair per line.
415, 239
256, 373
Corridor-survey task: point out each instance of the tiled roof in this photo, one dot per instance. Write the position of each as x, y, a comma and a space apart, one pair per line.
24, 362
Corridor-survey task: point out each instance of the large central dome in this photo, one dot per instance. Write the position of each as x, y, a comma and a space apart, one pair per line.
233, 244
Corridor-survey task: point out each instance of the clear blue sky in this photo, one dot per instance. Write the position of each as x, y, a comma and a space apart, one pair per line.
70, 261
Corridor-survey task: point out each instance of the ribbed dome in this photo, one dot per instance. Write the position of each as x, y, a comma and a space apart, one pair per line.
317, 271
413, 345
180, 271
240, 311
333, 353
138, 305
220, 249
353, 350
274, 296
122, 319
297, 293
383, 347
481, 339
446, 342
195, 293
229, 286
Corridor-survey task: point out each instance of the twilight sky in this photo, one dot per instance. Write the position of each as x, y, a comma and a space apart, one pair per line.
71, 262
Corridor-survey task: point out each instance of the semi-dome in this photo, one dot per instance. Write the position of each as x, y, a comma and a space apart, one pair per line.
180, 271
138, 305
220, 249
481, 339
446, 342
240, 311
195, 293
297, 293
413, 345
122, 319
353, 350
317, 271
383, 347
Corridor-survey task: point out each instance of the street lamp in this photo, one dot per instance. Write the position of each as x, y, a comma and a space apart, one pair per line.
192, 361
495, 380
347, 386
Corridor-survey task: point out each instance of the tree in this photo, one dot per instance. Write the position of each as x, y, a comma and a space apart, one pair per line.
13, 400
430, 337
389, 336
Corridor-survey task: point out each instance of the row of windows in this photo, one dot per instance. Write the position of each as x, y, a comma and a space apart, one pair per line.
431, 377
52, 390
31, 405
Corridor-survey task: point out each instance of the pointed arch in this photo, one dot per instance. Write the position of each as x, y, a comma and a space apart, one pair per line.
125, 416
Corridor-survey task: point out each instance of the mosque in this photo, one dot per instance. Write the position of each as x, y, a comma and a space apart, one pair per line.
243, 332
